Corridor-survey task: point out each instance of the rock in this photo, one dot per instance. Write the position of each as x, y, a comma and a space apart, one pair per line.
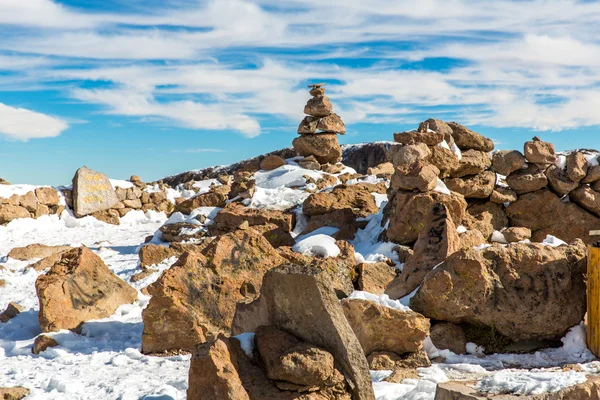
485, 217
385, 360
401, 374
538, 152
232, 216
324, 147
36, 251
382, 170
4, 182
421, 176
243, 185
331, 124
407, 212
502, 195
41, 210
13, 393
577, 166
524, 291
194, 300
318, 107
108, 216
339, 218
92, 192
28, 201
132, 204
43, 342
181, 231
409, 154
315, 316
559, 181
355, 197
308, 125
437, 240
570, 221
593, 175
472, 162
152, 254
445, 336
477, 187
467, 139
78, 288
445, 160
332, 169
516, 234
9, 212
586, 198
381, 328
49, 261
309, 162
527, 179
440, 126
471, 238
47, 196
11, 311
505, 162
374, 277
271, 162
430, 138
286, 358
276, 236
216, 197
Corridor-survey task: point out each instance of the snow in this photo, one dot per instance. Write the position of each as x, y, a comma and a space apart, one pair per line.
382, 300
317, 245
553, 241
366, 241
246, 342
324, 230
285, 176
528, 383
441, 187
498, 237
561, 162
8, 190
461, 229
282, 198
205, 185
117, 183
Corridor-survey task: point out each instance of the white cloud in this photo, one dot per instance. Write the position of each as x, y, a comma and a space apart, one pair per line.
23, 124
204, 151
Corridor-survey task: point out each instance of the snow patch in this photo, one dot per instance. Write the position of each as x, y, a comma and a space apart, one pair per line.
318, 245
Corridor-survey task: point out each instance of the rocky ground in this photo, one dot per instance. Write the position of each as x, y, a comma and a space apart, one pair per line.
431, 267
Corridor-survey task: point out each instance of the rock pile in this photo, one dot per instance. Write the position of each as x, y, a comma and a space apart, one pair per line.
318, 131
33, 204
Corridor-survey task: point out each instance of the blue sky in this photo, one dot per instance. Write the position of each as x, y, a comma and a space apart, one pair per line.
154, 88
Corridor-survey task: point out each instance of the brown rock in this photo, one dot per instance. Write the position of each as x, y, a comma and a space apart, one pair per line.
108, 216
271, 162
41, 210
374, 277
309, 162
308, 125
152, 254
276, 236
28, 201
401, 374
78, 288
440, 126
324, 147
467, 139
49, 261
437, 240
447, 336
339, 218
230, 217
385, 360
216, 197
355, 197
445, 160
506, 162
516, 234
181, 231
559, 181
332, 169
132, 204
485, 217
524, 291
315, 316
407, 212
527, 179
194, 300
502, 195
13, 393
409, 154
36, 251
11, 311
593, 175
331, 124
538, 152
472, 162
243, 185
421, 176
413, 137
318, 107
586, 198
47, 196
471, 238
577, 166
9, 212
42, 343
477, 187
382, 170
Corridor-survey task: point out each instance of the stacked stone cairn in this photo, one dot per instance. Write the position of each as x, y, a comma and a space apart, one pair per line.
318, 130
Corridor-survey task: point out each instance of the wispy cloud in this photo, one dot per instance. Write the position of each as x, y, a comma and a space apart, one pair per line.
23, 124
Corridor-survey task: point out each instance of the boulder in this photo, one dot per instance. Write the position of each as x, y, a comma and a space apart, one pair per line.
338, 218
559, 181
440, 126
445, 160
538, 152
271, 162
437, 240
528, 179
420, 176
486, 217
309, 162
355, 197
9, 212
319, 106
182, 231
216, 197
49, 261
407, 212
28, 201
108, 216
47, 196
194, 300
234, 214
374, 277
409, 154
152, 254
505, 162
42, 343
471, 238
315, 316
36, 251
382, 328
382, 170
79, 288
92, 192
385, 360
587, 198
13, 393
516, 234
308, 125
478, 186
577, 166
11, 311
524, 291
592, 175
243, 185
332, 123
324, 147
502, 195
430, 138
446, 336
472, 162
568, 221
467, 139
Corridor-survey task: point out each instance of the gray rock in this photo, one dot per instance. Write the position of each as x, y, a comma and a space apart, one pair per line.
92, 192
